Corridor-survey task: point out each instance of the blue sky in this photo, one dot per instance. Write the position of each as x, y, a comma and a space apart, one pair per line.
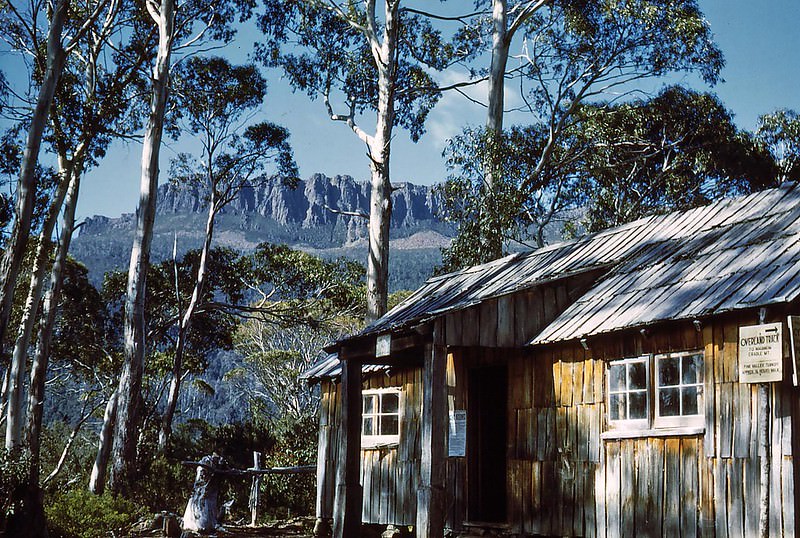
760, 42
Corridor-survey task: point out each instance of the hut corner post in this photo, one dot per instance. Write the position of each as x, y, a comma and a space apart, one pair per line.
347, 505
430, 503
764, 449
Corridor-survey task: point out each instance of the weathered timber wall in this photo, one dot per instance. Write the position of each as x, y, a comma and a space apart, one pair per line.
389, 476
563, 479
513, 320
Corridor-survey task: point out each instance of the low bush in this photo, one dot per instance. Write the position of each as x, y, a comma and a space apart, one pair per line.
80, 514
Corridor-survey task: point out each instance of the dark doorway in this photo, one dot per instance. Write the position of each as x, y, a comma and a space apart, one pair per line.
486, 437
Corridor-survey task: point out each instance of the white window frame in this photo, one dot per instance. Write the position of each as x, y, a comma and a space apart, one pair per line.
654, 424
381, 440
629, 423
681, 420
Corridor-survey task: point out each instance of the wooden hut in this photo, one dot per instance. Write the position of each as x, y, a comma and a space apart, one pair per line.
596, 387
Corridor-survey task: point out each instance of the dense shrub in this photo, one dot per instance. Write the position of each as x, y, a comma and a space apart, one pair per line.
80, 514
13, 481
292, 494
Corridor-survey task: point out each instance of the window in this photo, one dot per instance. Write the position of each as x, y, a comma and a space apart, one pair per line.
656, 392
380, 417
627, 392
679, 385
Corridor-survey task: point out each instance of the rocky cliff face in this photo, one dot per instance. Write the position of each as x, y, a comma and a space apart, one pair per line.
271, 212
313, 204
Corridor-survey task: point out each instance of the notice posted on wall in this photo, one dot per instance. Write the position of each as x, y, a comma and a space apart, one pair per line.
760, 353
457, 439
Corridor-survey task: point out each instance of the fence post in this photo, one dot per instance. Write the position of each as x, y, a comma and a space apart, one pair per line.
254, 489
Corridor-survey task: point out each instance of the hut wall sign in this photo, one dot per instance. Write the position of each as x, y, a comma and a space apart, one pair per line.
760, 353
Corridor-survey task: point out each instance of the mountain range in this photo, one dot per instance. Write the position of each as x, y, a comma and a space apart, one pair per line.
318, 216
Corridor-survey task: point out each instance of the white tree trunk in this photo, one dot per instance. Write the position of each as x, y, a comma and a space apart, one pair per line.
97, 482
491, 242
26, 185
185, 327
379, 146
48, 321
29, 312
130, 382
497, 68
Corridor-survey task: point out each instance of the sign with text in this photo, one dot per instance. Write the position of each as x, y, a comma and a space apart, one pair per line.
760, 353
383, 345
457, 438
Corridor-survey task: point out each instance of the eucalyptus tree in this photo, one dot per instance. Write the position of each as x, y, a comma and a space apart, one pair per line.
358, 57
215, 98
579, 52
779, 134
314, 301
89, 109
47, 70
182, 29
214, 321
675, 151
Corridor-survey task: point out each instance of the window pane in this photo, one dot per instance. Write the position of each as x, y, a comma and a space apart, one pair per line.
638, 375
668, 403
692, 369
692, 400
616, 377
616, 407
389, 425
368, 426
390, 403
638, 404
668, 371
369, 404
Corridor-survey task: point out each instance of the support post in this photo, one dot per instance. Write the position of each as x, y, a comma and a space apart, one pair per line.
254, 488
763, 446
763, 441
430, 502
347, 506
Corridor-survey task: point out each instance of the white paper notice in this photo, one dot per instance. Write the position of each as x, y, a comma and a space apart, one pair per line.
457, 440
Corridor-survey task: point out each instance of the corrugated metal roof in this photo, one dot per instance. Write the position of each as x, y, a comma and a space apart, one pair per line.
744, 253
734, 254
328, 366
655, 251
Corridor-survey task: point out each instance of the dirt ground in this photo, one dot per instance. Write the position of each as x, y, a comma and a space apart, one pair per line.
294, 528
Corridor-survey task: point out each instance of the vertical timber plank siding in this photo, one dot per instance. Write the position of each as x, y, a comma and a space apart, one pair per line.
752, 495
736, 508
488, 323
627, 487
470, 327
689, 486
706, 496
505, 322
389, 476
709, 442
672, 486
613, 489
563, 479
